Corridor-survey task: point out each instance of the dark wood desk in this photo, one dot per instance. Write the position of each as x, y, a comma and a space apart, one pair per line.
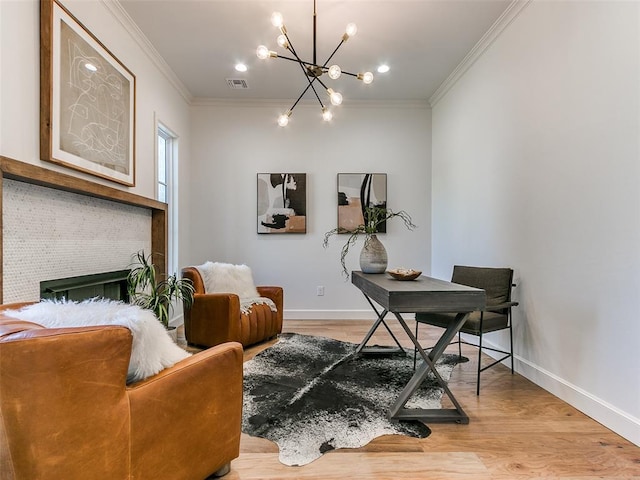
425, 294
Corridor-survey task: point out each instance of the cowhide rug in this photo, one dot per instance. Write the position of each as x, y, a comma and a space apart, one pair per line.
311, 394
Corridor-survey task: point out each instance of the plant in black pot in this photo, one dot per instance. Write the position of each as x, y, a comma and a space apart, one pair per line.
157, 295
373, 257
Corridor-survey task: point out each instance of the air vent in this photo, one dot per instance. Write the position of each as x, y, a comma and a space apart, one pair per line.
237, 83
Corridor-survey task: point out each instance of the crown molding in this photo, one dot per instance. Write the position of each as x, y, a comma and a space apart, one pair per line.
510, 13
304, 103
120, 14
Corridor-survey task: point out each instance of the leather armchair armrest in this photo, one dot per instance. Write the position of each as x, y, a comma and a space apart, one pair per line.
276, 294
218, 318
186, 420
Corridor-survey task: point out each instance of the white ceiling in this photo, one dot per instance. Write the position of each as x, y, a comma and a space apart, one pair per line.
421, 40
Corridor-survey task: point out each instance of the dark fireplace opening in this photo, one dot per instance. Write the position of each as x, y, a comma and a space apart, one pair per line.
108, 285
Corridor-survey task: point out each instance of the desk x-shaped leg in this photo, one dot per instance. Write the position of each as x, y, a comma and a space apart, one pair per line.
379, 350
398, 410
433, 415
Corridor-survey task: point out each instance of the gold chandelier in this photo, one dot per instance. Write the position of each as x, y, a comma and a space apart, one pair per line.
312, 70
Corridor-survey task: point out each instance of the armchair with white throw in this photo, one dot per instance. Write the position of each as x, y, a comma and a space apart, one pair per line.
227, 306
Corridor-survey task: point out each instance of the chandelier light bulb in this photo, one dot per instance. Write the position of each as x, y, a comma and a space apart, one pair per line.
351, 29
282, 41
326, 114
336, 98
283, 120
334, 72
262, 52
366, 77
277, 20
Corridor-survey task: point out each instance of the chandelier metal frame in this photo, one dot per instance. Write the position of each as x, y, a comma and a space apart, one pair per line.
312, 70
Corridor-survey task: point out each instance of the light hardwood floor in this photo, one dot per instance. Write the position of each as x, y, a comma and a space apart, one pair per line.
517, 430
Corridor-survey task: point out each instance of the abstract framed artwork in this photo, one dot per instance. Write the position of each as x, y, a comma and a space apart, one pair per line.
356, 191
282, 203
87, 100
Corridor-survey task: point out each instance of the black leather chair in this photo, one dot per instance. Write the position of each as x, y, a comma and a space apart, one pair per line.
497, 283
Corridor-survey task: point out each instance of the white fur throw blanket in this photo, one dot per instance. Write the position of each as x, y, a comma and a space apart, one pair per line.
228, 278
152, 349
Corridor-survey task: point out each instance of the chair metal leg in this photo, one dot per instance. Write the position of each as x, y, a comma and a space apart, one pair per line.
459, 347
511, 342
479, 363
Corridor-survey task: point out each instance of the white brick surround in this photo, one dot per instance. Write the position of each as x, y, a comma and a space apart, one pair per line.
51, 234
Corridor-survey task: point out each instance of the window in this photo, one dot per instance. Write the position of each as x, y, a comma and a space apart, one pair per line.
167, 156
164, 164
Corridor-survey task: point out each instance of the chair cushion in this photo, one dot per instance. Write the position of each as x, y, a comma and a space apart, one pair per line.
490, 322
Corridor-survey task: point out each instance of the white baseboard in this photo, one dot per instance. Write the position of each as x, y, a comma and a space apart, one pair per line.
366, 314
329, 315
601, 411
610, 416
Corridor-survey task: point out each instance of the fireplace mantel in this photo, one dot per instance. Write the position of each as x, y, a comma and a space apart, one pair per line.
33, 174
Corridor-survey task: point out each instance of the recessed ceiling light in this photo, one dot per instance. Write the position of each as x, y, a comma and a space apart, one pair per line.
383, 68
91, 67
241, 67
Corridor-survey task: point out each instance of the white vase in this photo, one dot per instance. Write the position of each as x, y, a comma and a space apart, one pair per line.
373, 257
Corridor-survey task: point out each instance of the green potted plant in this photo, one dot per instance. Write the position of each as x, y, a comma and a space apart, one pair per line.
373, 258
146, 291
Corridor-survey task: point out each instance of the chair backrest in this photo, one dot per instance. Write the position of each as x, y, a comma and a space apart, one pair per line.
193, 274
496, 282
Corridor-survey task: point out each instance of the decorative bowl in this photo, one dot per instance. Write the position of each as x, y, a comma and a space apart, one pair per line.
404, 273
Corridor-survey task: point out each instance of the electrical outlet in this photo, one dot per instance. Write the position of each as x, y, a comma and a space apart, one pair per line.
320, 291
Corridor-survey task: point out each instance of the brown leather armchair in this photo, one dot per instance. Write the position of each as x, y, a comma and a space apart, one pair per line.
66, 411
214, 318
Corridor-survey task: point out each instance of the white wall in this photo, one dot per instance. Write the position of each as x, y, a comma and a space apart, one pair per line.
156, 95
536, 166
232, 143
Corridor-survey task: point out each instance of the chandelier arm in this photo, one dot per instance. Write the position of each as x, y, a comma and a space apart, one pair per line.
314, 30
305, 91
294, 60
291, 49
296, 102
322, 83
312, 64
316, 93
332, 54
297, 59
310, 85
308, 64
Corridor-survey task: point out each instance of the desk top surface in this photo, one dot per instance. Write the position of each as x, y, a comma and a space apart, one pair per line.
424, 294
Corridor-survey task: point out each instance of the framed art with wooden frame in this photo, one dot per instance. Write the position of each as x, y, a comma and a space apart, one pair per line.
87, 100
